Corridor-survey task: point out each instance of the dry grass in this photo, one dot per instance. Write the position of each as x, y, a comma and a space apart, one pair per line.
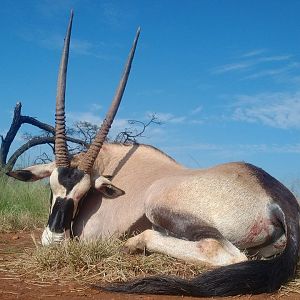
101, 262
96, 262
293, 285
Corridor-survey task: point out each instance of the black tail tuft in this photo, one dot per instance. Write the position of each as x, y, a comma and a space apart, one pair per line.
243, 278
159, 286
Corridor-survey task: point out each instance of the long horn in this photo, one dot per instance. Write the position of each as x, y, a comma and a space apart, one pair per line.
61, 149
88, 160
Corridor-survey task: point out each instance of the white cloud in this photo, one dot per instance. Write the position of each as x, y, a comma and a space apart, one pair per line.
235, 150
118, 126
197, 110
196, 122
83, 116
77, 46
54, 41
231, 67
254, 53
96, 106
253, 61
280, 110
168, 117
273, 72
274, 58
267, 148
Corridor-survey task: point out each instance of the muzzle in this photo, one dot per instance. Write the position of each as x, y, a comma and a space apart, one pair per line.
50, 238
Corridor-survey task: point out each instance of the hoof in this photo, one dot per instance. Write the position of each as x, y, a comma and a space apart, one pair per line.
134, 246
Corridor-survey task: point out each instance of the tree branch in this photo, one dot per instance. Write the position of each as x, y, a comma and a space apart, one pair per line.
17, 121
37, 123
31, 143
130, 135
11, 134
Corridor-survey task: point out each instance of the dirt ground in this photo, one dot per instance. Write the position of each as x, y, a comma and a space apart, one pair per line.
16, 286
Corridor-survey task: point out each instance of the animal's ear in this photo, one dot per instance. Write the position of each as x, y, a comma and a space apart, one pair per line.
33, 173
108, 190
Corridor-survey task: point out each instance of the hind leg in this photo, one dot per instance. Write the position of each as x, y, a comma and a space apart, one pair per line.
207, 250
273, 248
185, 237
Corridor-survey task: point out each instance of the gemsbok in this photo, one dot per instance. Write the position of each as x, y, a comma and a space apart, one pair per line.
210, 216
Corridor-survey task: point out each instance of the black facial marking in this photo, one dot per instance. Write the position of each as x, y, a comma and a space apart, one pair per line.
183, 225
69, 177
61, 216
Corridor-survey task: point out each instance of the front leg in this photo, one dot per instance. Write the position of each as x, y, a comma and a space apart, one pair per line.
136, 244
209, 251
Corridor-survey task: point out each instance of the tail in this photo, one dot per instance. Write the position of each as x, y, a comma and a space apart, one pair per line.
250, 277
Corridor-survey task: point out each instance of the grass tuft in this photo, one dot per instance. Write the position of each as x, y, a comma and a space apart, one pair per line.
98, 262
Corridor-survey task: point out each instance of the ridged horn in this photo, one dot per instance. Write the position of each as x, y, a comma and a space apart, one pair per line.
61, 148
88, 160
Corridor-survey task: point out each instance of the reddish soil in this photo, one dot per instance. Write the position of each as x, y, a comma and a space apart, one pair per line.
16, 286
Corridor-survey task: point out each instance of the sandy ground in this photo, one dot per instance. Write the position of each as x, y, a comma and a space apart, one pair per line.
16, 286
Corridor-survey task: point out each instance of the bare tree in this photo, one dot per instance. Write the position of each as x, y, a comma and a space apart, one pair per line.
80, 136
84, 131
131, 134
6, 164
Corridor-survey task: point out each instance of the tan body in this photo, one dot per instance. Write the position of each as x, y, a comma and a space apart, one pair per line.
228, 197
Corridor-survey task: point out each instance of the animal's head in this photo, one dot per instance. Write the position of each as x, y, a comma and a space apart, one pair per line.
70, 184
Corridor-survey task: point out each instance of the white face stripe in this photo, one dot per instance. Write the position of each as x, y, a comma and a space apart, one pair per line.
79, 190
57, 189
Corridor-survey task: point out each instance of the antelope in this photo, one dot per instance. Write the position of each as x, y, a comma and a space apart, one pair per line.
209, 216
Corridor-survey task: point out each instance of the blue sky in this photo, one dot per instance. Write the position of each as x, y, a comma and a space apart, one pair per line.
222, 76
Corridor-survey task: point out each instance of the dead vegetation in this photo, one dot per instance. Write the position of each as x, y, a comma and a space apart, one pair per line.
96, 262
101, 262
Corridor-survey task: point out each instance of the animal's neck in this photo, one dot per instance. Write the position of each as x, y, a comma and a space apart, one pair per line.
114, 157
